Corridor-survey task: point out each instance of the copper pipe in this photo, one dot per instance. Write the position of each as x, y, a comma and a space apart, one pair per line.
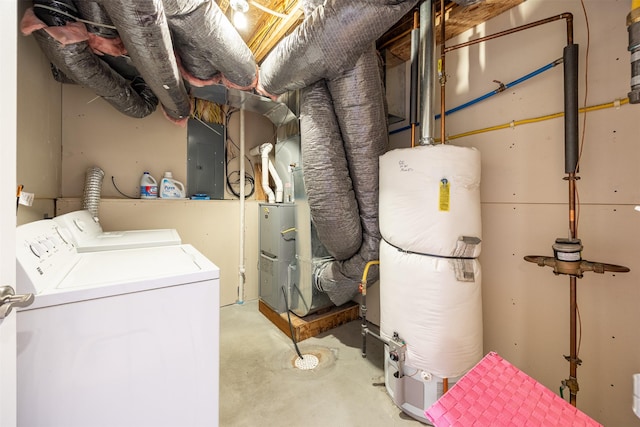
568, 16
413, 135
573, 355
573, 298
572, 382
572, 205
443, 76
445, 385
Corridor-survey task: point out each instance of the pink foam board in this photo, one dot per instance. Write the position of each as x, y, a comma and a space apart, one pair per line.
497, 394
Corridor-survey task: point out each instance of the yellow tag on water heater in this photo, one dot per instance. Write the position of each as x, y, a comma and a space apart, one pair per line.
443, 203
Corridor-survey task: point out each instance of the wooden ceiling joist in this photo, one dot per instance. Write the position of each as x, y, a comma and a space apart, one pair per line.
266, 29
458, 20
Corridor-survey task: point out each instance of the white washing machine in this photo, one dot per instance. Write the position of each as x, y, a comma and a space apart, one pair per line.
87, 234
115, 338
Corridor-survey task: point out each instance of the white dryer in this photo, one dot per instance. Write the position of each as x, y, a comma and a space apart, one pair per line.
115, 338
88, 236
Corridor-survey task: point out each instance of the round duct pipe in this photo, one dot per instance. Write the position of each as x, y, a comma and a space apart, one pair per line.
92, 190
466, 2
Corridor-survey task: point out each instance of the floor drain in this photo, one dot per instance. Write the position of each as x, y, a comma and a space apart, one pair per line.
306, 362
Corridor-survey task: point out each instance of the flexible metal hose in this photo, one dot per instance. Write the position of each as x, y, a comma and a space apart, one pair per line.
92, 189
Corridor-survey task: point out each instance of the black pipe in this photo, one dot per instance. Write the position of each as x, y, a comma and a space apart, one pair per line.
571, 151
55, 13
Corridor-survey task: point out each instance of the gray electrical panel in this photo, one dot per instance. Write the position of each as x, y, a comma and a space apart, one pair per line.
277, 253
205, 159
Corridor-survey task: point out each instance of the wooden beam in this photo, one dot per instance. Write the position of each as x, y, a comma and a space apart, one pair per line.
458, 20
272, 31
313, 324
223, 5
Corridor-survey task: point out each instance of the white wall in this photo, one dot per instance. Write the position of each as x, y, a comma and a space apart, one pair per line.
525, 200
95, 134
39, 143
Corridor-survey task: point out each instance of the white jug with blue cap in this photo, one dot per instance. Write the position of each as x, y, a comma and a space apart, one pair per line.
171, 188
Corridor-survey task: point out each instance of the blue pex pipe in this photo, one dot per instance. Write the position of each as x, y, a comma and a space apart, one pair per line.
502, 88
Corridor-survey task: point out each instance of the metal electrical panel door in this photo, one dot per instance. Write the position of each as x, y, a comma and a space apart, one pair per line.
277, 253
205, 159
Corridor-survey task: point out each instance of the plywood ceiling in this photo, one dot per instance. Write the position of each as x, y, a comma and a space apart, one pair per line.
265, 30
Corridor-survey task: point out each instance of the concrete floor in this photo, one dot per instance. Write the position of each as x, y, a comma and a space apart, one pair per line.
259, 385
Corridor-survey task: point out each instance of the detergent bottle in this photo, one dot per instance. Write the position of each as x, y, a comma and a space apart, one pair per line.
170, 188
148, 187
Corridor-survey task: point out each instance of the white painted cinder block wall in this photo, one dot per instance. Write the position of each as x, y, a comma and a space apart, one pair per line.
526, 308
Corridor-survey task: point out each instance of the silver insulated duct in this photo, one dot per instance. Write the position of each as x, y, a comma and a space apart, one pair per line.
135, 53
343, 124
328, 42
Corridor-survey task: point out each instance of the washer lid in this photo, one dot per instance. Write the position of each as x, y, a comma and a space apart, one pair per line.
130, 239
108, 273
88, 236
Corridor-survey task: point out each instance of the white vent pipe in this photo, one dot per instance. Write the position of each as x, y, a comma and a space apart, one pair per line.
277, 181
241, 267
263, 151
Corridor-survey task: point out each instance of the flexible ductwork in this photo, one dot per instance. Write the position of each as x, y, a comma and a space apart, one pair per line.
92, 190
93, 12
104, 37
207, 45
68, 49
343, 132
135, 42
332, 201
144, 31
359, 103
329, 41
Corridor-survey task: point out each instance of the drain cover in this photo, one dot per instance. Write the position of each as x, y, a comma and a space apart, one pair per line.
308, 361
